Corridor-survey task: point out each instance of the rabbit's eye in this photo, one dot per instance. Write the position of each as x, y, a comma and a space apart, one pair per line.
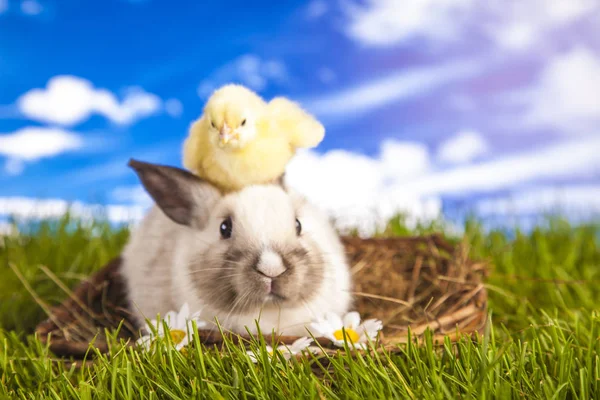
243, 122
298, 227
226, 228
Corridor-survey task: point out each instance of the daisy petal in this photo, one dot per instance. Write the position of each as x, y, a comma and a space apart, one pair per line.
182, 316
314, 349
361, 346
170, 318
144, 342
320, 328
185, 310
352, 320
195, 316
370, 328
153, 324
147, 328
285, 351
252, 356
142, 339
185, 341
300, 344
334, 320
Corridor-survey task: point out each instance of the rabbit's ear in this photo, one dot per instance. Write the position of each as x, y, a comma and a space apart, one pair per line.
281, 182
181, 195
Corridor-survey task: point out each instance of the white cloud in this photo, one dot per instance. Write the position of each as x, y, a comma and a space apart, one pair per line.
560, 160
249, 70
569, 199
520, 24
566, 94
463, 147
136, 104
25, 208
395, 87
174, 107
32, 143
131, 194
31, 7
3, 6
353, 188
7, 229
387, 22
403, 160
513, 24
69, 100
364, 192
316, 9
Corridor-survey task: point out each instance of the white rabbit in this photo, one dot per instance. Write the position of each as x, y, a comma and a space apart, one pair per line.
262, 254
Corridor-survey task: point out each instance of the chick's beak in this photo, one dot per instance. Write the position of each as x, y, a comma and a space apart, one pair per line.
226, 134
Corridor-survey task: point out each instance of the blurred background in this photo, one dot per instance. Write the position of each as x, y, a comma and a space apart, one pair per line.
436, 109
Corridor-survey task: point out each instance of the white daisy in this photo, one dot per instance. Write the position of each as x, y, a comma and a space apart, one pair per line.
178, 323
144, 341
357, 334
286, 351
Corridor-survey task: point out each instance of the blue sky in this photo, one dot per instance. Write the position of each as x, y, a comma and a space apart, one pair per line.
430, 106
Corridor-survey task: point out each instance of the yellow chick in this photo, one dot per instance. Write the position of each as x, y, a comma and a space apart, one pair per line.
242, 140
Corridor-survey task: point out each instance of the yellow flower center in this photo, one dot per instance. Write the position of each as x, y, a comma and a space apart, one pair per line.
177, 335
351, 335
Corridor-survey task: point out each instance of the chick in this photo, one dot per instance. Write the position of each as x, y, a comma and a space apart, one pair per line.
242, 140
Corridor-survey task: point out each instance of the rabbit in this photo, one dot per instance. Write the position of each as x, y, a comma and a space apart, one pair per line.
261, 255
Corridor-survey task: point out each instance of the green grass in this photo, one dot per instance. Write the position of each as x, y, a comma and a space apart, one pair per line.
543, 342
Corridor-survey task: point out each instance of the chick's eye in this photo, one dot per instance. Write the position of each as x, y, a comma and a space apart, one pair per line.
213, 124
243, 122
298, 227
226, 228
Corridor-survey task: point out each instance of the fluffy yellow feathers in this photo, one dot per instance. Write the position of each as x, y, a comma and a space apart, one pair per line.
242, 140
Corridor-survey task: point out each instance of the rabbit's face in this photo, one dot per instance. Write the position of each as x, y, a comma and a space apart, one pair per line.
256, 250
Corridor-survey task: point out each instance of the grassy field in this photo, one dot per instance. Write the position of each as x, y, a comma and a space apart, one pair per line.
544, 340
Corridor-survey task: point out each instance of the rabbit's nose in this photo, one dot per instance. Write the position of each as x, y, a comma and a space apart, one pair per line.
270, 264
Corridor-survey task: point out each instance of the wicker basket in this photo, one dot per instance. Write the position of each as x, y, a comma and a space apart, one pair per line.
421, 282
